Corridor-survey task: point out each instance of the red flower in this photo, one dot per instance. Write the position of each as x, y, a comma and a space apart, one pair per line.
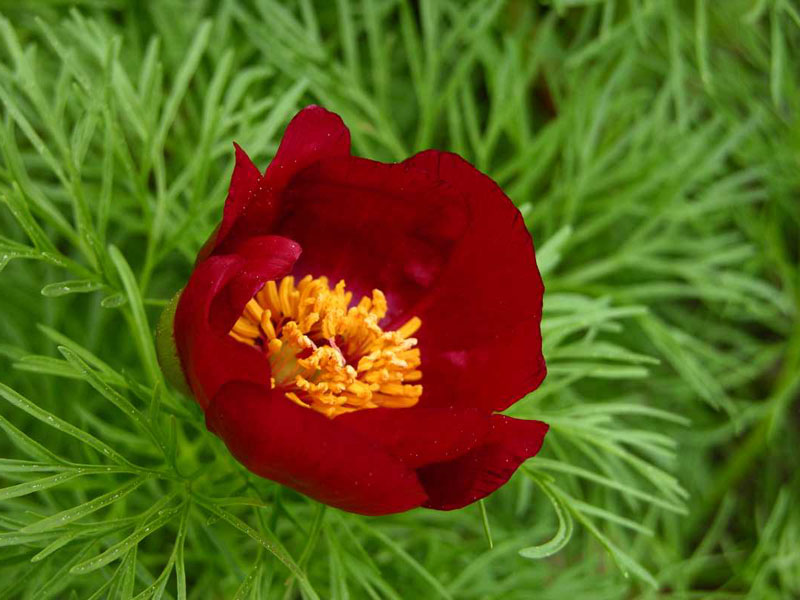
351, 327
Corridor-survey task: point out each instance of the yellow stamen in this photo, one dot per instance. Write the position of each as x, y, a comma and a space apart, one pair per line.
327, 355
410, 328
245, 327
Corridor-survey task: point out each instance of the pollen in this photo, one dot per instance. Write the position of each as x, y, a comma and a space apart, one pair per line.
327, 355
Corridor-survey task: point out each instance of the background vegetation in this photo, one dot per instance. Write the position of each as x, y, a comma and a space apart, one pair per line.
654, 149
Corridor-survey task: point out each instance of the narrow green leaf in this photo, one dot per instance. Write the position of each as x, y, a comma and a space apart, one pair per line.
68, 516
114, 552
553, 465
565, 523
27, 444
193, 54
487, 530
83, 353
409, 560
29, 487
549, 254
15, 538
245, 588
157, 588
15, 202
142, 333
114, 300
267, 540
10, 465
55, 545
74, 286
110, 394
57, 423
625, 562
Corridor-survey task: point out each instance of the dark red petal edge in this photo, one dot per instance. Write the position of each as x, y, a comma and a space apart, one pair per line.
302, 449
245, 180
475, 475
312, 135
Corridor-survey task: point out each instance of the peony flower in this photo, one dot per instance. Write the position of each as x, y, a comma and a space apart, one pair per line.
352, 327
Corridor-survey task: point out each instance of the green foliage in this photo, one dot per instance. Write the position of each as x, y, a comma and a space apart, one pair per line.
653, 148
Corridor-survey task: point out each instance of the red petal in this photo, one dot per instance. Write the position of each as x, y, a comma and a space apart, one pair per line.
485, 319
312, 135
213, 299
481, 471
300, 448
420, 436
245, 181
445, 244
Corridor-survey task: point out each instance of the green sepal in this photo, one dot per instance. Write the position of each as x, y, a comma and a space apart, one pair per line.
167, 352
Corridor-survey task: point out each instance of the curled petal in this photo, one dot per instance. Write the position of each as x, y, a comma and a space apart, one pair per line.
211, 302
486, 467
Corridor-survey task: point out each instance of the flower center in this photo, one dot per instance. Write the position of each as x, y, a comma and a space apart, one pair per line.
327, 355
